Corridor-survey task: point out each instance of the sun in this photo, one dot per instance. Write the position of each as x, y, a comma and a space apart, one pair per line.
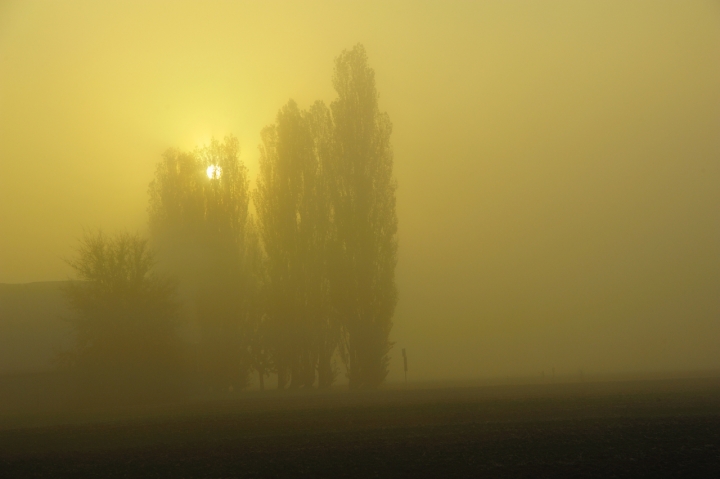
214, 172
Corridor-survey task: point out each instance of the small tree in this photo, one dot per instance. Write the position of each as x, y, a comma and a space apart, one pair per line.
125, 318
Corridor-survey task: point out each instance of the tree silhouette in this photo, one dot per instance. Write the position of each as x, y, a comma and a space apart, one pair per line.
294, 224
198, 216
362, 193
325, 201
125, 317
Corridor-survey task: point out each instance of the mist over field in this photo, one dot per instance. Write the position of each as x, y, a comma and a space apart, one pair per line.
557, 163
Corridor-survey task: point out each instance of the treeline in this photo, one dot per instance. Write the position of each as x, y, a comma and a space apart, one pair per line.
293, 278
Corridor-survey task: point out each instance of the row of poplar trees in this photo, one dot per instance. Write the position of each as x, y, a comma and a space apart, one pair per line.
307, 280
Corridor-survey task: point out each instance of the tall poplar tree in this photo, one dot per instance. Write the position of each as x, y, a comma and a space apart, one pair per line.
293, 217
365, 221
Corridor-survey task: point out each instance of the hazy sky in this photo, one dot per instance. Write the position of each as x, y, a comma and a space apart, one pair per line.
558, 162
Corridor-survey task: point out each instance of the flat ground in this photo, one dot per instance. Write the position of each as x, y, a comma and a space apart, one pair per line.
659, 428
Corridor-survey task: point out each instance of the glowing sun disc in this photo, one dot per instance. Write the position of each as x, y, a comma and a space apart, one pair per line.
214, 172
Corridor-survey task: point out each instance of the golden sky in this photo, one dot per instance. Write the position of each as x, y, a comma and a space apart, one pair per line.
558, 162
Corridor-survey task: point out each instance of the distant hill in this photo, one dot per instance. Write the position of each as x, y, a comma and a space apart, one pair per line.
32, 330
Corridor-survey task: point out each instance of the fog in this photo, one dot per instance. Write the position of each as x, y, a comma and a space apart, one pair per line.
557, 163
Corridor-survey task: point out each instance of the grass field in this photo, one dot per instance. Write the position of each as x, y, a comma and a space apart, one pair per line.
651, 428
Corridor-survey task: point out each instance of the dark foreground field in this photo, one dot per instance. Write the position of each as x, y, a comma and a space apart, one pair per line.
662, 428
